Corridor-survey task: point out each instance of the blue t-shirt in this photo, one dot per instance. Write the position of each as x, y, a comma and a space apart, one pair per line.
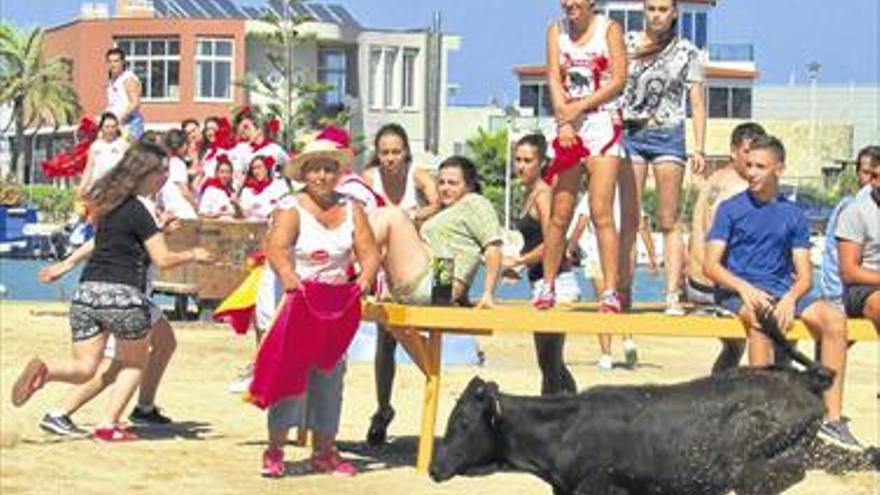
759, 240
829, 279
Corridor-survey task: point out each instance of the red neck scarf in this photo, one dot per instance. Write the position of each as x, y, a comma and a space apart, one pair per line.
218, 184
258, 186
260, 144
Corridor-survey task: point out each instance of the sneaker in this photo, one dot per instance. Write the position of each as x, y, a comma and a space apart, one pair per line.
62, 425
673, 305
610, 302
155, 417
273, 463
605, 363
113, 434
544, 298
378, 432
242, 382
837, 433
331, 462
630, 353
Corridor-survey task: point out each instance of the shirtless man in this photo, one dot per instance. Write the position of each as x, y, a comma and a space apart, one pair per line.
721, 185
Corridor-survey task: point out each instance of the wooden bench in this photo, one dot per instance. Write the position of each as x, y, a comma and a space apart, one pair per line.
420, 329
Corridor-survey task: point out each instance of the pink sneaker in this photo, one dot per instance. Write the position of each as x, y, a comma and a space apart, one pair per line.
114, 434
610, 302
330, 462
273, 463
544, 298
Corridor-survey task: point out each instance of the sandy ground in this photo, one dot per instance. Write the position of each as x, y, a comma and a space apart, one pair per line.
215, 446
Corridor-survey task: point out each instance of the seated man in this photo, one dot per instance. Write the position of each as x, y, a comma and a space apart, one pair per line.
858, 240
759, 256
721, 185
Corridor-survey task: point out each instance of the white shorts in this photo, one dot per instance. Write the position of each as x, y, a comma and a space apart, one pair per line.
602, 134
268, 297
156, 314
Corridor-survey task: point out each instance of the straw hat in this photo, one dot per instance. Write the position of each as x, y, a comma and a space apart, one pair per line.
327, 145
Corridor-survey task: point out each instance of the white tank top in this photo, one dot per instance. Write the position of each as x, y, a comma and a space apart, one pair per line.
322, 254
107, 155
585, 67
117, 99
410, 198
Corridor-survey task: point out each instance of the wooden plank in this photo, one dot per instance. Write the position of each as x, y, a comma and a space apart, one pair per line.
526, 319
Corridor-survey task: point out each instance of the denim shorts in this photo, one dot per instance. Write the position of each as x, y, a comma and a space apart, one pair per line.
653, 145
733, 303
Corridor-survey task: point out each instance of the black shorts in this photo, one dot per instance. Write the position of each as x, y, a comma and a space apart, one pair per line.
854, 299
120, 309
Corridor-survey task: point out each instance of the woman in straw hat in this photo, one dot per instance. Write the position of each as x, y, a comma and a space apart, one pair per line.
313, 236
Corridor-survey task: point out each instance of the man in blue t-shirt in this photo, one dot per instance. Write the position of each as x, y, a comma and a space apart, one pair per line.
758, 255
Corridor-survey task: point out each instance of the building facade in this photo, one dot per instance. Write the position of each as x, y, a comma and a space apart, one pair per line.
189, 54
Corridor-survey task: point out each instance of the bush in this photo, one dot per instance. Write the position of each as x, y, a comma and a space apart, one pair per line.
54, 202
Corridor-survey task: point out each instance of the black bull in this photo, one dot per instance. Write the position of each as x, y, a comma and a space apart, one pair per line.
749, 430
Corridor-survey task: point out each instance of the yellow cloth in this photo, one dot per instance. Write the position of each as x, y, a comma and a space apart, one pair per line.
245, 296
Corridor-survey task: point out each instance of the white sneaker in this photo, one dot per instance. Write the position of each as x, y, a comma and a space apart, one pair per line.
673, 305
242, 382
605, 363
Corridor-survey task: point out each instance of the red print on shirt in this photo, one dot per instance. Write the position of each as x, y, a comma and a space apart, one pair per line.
319, 256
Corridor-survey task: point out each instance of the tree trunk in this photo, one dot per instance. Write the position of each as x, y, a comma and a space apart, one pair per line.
17, 146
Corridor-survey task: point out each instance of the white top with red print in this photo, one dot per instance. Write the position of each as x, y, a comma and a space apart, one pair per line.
322, 254
586, 67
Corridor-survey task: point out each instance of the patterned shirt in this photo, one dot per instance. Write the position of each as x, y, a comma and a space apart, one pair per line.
655, 87
461, 232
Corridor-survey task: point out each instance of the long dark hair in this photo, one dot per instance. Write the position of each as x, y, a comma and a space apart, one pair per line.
666, 39
468, 170
394, 129
535, 140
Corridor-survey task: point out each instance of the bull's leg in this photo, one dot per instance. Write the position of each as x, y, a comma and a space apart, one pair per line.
774, 476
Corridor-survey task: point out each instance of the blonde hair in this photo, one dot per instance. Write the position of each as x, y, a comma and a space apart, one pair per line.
122, 181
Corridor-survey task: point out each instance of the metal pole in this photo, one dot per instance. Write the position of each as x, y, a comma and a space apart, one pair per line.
813, 68
507, 175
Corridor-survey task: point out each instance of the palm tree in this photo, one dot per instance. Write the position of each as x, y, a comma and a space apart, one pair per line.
39, 90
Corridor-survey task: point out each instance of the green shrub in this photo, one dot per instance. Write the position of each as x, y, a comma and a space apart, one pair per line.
54, 202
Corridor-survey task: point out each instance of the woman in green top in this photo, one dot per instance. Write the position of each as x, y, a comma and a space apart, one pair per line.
466, 230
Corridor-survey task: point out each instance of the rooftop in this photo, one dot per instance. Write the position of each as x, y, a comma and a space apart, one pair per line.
227, 9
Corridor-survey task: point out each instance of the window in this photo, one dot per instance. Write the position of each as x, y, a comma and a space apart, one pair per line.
730, 103
741, 103
213, 69
701, 36
635, 20
408, 90
388, 69
619, 16
687, 26
375, 81
389, 65
536, 97
156, 62
332, 70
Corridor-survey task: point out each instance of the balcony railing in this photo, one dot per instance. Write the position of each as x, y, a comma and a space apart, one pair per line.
731, 52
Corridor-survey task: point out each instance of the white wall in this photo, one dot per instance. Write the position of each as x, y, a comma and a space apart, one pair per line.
858, 105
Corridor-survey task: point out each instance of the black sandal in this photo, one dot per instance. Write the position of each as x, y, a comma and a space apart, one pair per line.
378, 433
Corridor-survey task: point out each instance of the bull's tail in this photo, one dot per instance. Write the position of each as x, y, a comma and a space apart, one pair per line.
821, 377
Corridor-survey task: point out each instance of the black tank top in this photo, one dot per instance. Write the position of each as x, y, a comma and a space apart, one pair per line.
533, 236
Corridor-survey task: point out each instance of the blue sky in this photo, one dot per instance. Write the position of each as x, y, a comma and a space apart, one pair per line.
842, 35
